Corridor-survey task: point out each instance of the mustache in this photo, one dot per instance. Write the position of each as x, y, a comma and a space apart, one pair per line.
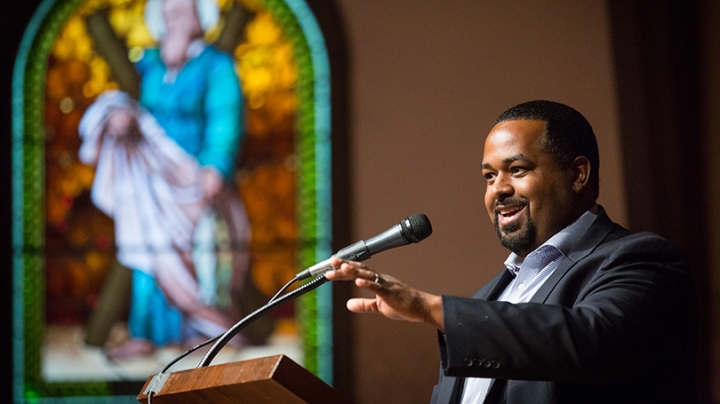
510, 202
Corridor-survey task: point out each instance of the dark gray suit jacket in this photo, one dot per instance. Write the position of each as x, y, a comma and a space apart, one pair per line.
615, 323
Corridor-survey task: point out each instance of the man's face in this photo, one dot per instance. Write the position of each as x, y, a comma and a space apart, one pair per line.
528, 197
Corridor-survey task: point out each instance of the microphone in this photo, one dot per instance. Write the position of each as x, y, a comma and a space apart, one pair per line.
412, 229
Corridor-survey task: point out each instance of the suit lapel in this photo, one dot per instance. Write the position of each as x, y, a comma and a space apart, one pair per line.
589, 241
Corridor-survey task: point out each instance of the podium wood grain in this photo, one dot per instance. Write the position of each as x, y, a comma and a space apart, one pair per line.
272, 379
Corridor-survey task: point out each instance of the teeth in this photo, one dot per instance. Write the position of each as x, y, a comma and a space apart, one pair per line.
510, 213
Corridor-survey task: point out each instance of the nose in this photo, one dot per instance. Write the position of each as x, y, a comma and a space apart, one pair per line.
501, 188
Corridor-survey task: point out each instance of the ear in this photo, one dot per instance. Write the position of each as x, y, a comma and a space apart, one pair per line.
579, 172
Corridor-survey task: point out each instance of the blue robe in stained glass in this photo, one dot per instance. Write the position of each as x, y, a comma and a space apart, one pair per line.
200, 108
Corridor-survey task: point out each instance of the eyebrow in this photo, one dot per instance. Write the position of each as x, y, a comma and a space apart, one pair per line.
508, 160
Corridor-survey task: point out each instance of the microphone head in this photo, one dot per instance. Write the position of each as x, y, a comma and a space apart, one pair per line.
415, 228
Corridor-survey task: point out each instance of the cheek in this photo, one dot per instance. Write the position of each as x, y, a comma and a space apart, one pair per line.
546, 204
489, 204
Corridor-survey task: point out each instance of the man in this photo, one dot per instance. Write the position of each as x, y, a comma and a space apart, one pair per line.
585, 311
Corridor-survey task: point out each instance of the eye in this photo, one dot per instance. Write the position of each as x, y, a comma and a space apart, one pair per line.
517, 170
489, 176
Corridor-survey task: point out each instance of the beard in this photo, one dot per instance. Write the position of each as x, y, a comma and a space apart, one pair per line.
516, 237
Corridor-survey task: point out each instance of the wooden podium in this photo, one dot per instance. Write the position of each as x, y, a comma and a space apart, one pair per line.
272, 379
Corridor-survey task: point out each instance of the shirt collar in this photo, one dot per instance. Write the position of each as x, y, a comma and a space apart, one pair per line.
564, 240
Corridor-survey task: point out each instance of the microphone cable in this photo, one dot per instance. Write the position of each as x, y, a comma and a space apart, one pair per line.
272, 304
222, 339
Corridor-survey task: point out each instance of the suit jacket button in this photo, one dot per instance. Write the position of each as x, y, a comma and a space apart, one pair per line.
495, 364
468, 361
488, 363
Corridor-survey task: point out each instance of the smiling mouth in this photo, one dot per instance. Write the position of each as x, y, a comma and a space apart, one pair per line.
508, 214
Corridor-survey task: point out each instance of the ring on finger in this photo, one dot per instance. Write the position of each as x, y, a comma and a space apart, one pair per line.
377, 278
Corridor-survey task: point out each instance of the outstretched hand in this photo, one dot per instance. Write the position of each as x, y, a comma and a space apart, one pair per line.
393, 299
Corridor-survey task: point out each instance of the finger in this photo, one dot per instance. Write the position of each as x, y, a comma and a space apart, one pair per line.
348, 270
359, 305
336, 262
341, 274
361, 271
373, 281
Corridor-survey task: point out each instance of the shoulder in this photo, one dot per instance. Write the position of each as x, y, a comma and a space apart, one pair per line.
615, 237
608, 245
219, 65
650, 247
625, 242
150, 57
212, 53
638, 258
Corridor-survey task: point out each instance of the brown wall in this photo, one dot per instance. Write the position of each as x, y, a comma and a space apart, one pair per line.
426, 79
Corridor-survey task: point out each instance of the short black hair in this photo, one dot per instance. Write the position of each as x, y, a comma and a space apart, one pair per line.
567, 134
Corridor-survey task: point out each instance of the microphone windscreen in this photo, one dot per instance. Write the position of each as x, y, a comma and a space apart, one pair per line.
416, 228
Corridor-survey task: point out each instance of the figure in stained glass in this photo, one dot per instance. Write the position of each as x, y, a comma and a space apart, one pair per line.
164, 173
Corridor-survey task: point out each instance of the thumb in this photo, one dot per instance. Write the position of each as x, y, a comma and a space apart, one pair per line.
359, 305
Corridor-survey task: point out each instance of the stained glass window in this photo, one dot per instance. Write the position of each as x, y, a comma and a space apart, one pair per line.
71, 292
